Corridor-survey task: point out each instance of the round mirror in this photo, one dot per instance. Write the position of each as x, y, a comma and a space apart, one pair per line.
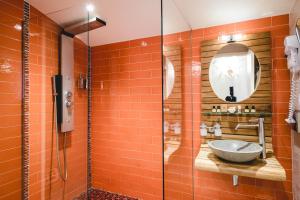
234, 73
169, 77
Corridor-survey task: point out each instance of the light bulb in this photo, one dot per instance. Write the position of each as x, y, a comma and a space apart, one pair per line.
18, 27
237, 37
224, 38
90, 7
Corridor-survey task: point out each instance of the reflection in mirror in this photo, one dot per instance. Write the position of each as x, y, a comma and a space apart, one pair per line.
169, 77
172, 100
234, 73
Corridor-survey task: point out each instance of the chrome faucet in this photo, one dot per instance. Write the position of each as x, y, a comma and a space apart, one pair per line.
261, 133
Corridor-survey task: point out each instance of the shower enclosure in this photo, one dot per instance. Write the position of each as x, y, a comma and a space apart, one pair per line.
58, 152
90, 111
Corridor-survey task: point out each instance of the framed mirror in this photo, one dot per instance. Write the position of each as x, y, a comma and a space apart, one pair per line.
234, 73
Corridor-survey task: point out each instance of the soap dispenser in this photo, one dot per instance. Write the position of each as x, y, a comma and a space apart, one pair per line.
217, 130
203, 130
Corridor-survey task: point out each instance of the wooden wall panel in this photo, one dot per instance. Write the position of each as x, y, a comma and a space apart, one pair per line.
260, 44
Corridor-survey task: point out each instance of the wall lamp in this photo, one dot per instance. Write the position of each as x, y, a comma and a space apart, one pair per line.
230, 38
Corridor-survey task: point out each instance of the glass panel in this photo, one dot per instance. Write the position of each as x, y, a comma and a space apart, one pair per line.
58, 152
177, 72
127, 99
11, 14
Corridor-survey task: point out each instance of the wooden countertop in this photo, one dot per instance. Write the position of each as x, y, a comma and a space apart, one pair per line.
268, 169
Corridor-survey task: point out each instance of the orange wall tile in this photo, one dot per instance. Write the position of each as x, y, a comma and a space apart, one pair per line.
44, 179
126, 118
11, 13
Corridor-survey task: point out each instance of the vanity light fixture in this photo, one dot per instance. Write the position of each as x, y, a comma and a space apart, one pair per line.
237, 37
231, 38
144, 44
224, 38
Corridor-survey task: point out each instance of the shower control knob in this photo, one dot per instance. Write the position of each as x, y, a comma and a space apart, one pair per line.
69, 104
69, 94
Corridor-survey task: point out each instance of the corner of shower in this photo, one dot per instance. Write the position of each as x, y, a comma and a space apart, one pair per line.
55, 109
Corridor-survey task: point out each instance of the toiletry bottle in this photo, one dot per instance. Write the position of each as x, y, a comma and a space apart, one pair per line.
239, 109
217, 130
177, 128
224, 108
253, 110
214, 109
247, 109
218, 108
203, 130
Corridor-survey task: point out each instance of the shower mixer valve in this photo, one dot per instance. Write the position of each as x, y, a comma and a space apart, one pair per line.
69, 102
67, 73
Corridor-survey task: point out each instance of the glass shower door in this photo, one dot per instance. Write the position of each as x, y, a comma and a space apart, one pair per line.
177, 105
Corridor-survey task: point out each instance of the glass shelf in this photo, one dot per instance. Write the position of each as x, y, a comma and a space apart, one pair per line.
256, 114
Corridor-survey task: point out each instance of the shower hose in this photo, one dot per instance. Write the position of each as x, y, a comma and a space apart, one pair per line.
64, 175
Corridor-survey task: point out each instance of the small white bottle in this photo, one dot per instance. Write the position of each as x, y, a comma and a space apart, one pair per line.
214, 109
203, 130
247, 109
239, 109
218, 131
177, 128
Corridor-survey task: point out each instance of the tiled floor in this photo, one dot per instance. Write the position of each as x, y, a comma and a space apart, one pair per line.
102, 195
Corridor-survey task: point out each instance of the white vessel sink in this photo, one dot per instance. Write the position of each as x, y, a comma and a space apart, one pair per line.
235, 150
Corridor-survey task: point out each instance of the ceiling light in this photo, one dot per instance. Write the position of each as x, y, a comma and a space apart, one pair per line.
90, 7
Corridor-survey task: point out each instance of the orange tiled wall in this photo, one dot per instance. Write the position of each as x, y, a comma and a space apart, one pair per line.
45, 182
126, 118
219, 187
11, 13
